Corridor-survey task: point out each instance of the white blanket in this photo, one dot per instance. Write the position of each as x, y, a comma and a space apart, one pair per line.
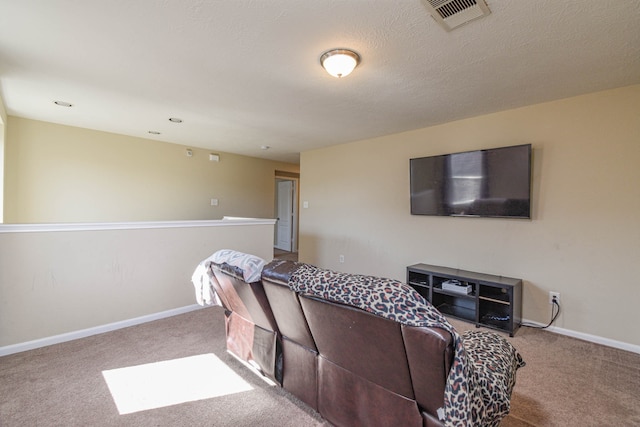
201, 279
250, 265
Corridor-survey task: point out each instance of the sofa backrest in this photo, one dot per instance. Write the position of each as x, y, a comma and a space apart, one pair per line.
372, 368
363, 376
245, 299
285, 304
252, 331
366, 345
300, 355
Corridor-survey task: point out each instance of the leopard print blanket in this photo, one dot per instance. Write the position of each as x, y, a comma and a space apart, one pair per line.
482, 376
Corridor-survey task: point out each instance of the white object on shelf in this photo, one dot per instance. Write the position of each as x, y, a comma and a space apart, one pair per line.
457, 286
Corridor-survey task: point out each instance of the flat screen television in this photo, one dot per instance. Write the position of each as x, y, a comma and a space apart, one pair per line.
483, 183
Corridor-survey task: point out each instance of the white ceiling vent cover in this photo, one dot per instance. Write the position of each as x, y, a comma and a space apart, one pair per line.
451, 14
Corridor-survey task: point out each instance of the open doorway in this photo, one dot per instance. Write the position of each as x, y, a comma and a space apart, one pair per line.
286, 206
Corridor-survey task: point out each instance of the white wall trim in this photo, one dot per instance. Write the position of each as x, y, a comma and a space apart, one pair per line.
57, 339
588, 337
98, 226
69, 336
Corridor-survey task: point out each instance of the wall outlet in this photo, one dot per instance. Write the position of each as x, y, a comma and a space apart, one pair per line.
553, 295
341, 258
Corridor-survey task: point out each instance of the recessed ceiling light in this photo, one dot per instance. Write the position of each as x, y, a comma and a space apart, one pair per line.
63, 104
265, 147
175, 120
154, 132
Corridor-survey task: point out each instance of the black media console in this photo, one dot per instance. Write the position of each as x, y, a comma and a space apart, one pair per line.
491, 301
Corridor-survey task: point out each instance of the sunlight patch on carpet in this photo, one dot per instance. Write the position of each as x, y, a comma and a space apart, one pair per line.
155, 385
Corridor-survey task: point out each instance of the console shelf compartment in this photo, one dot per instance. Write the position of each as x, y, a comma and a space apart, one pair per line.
494, 301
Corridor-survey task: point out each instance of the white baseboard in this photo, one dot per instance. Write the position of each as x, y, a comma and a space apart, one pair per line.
56, 339
588, 337
69, 336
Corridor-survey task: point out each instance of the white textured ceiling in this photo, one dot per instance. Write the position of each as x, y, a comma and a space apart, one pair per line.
245, 73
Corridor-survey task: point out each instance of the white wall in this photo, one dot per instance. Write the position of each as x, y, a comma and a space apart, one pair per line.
583, 240
58, 282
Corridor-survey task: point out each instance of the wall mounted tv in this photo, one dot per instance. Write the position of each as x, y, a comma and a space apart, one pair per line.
485, 183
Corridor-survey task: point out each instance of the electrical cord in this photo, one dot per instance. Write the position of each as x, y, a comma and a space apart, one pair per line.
553, 317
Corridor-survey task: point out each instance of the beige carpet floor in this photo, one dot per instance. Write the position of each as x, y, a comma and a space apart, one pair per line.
570, 382
64, 385
566, 382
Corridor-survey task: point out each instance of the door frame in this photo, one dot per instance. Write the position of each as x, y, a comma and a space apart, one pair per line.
294, 220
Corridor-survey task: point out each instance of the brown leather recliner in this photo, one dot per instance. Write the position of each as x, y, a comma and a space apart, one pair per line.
371, 371
363, 375
252, 332
300, 354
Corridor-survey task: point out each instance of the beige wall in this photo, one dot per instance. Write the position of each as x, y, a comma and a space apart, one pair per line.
583, 240
60, 282
3, 121
58, 173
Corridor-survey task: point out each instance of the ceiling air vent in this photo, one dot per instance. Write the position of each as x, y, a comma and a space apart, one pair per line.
451, 14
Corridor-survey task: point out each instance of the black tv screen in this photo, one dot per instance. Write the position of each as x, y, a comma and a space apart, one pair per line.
487, 183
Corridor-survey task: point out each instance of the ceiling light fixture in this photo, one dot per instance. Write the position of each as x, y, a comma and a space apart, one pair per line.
63, 104
154, 132
175, 120
339, 62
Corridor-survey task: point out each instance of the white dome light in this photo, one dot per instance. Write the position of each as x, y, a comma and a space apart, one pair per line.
339, 62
